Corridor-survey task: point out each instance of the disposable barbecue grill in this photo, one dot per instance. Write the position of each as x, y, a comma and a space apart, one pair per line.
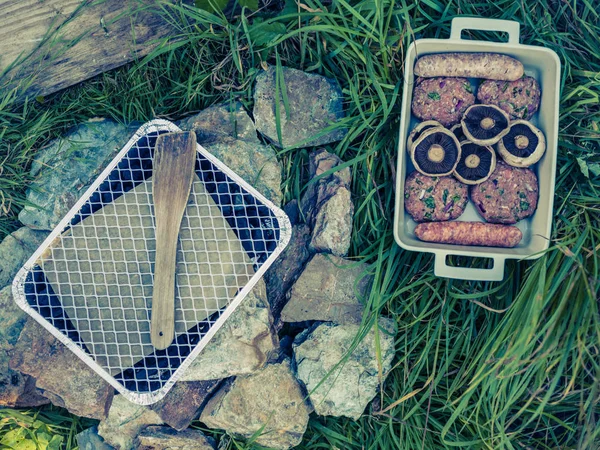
90, 283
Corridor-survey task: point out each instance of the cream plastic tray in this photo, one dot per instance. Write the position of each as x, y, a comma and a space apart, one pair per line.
544, 65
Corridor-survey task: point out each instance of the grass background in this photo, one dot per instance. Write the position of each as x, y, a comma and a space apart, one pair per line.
482, 365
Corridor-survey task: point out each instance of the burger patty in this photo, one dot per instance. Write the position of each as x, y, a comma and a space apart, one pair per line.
507, 196
520, 99
434, 199
442, 99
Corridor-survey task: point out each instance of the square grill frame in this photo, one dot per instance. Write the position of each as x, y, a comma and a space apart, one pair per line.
151, 396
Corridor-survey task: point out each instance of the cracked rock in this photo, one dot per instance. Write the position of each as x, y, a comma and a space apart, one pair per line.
330, 289
349, 387
315, 103
270, 398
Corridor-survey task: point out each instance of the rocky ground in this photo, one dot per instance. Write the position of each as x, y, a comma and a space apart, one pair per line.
277, 359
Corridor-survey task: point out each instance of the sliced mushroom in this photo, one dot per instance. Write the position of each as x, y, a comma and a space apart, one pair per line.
418, 130
485, 124
523, 145
436, 152
477, 162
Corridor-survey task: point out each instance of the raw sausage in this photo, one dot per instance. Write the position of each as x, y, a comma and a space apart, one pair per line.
469, 233
469, 65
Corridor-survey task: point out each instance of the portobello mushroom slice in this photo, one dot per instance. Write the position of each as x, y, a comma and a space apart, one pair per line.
477, 162
523, 145
418, 130
485, 124
436, 152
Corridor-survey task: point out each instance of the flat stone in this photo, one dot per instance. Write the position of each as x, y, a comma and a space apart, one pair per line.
330, 289
90, 440
221, 121
16, 389
15, 250
60, 374
257, 164
124, 423
315, 103
183, 402
165, 438
286, 269
270, 398
242, 345
348, 388
65, 169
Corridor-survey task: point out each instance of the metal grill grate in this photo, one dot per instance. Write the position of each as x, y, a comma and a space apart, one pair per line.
90, 283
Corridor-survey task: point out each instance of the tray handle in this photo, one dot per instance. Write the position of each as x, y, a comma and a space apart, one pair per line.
477, 23
496, 273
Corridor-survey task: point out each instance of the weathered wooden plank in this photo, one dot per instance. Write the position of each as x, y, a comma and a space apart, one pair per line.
46, 46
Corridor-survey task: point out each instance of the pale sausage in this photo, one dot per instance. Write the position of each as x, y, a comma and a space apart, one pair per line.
469, 65
469, 233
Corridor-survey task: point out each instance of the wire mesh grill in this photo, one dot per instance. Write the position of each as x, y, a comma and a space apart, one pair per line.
90, 283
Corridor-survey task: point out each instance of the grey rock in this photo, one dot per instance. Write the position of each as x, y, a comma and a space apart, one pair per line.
90, 440
60, 374
256, 163
319, 191
327, 205
332, 231
285, 270
124, 423
165, 438
322, 161
270, 398
330, 289
66, 168
315, 103
221, 121
16, 389
12, 318
183, 402
351, 386
292, 210
242, 345
16, 249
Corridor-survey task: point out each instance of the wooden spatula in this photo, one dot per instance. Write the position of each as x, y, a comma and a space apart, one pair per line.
173, 172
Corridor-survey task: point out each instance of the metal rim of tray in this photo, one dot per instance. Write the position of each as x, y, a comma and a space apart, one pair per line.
150, 397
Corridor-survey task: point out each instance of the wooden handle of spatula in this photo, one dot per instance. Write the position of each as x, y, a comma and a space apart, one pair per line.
172, 176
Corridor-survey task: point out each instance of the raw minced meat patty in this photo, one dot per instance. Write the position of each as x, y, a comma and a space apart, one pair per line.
442, 99
434, 199
520, 99
507, 196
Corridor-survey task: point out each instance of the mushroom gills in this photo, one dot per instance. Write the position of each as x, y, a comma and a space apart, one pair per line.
436, 152
485, 124
523, 145
521, 141
419, 130
476, 164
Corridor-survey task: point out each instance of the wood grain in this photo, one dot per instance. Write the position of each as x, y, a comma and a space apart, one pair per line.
46, 46
173, 169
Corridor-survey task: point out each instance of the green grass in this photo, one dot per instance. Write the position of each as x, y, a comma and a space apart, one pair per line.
480, 365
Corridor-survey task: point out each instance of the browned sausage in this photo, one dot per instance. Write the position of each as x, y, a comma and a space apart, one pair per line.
469, 233
469, 65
